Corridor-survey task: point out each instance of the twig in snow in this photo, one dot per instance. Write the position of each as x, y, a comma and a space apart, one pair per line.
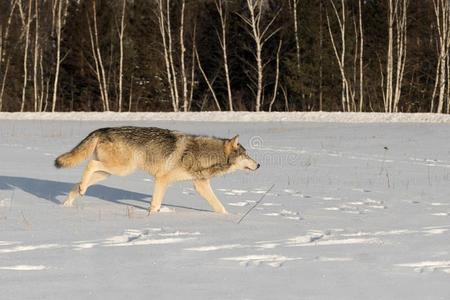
384, 159
256, 204
25, 221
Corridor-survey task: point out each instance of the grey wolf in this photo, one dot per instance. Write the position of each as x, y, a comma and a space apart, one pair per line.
169, 156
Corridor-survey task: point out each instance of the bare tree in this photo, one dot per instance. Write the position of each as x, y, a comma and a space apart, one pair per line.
27, 23
60, 19
162, 28
442, 14
402, 17
166, 37
277, 76
397, 28
36, 56
4, 34
96, 53
223, 13
297, 40
361, 57
260, 34
340, 55
121, 34
171, 59
182, 59
208, 82
191, 92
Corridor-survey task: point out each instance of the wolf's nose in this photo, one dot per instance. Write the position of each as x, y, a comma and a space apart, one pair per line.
258, 165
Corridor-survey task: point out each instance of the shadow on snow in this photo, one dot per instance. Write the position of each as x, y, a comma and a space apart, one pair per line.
50, 190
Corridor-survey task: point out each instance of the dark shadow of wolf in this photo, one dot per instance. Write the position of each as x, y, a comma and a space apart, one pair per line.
49, 190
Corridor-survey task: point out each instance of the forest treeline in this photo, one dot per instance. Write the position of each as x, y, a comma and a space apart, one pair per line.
194, 55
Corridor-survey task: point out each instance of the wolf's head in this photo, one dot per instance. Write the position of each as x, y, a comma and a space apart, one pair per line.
238, 157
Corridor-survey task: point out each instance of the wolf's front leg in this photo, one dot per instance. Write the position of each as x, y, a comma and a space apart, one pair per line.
203, 187
158, 194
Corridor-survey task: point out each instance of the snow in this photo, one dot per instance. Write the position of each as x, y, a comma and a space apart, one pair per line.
327, 117
358, 211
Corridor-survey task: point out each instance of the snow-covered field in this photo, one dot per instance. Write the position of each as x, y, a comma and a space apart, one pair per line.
357, 211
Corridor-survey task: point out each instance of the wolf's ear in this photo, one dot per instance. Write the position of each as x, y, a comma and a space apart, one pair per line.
231, 145
235, 142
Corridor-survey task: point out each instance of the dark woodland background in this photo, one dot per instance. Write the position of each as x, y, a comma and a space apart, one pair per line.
34, 33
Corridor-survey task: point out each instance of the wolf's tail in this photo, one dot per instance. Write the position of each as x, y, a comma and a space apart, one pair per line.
78, 154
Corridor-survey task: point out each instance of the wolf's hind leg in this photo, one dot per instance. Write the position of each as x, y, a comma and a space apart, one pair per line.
88, 178
73, 194
76, 190
158, 194
203, 187
96, 178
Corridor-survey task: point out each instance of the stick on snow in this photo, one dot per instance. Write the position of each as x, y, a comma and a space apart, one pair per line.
256, 204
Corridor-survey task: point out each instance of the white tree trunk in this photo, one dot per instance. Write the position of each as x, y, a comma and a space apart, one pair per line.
100, 59
122, 28
390, 59
340, 56
277, 76
162, 29
182, 59
3, 59
223, 44
442, 14
260, 35
36, 57
58, 54
297, 40
171, 60
25, 54
207, 80
401, 51
361, 58
255, 21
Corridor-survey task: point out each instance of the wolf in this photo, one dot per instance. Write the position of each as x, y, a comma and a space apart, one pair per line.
169, 156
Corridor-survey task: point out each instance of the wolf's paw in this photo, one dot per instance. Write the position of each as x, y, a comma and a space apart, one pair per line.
81, 190
68, 203
153, 210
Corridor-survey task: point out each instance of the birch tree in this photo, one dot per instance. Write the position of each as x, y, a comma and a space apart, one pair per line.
36, 56
442, 15
121, 35
97, 55
223, 13
171, 58
61, 14
182, 59
4, 58
277, 76
297, 39
361, 57
260, 34
340, 54
208, 82
166, 38
396, 53
26, 23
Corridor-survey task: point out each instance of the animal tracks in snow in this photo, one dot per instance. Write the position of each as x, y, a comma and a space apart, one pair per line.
286, 214
131, 237
428, 266
256, 260
359, 207
313, 238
